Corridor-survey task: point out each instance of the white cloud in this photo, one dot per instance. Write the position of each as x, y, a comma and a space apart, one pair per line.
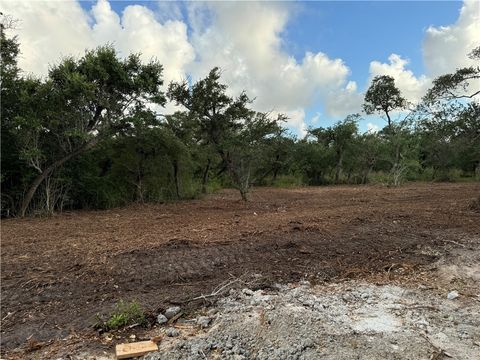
138, 31
445, 48
244, 39
344, 101
49, 30
412, 87
372, 128
168, 10
315, 119
296, 121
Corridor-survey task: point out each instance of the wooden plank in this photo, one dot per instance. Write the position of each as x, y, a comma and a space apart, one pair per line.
128, 350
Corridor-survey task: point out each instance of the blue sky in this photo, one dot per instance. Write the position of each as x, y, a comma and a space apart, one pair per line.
310, 60
359, 31
355, 31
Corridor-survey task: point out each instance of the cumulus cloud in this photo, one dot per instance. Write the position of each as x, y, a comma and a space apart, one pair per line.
244, 39
445, 48
343, 101
49, 30
315, 119
296, 121
372, 128
412, 87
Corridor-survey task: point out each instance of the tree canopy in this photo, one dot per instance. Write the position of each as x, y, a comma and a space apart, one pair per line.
383, 96
92, 134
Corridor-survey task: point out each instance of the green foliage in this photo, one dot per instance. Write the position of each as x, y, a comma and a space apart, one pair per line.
287, 181
340, 140
227, 127
81, 102
86, 136
454, 86
124, 314
383, 96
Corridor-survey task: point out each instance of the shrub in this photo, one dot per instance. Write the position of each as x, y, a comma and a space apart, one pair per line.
286, 181
124, 314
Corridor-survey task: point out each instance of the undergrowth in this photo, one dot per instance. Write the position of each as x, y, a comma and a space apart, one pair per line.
124, 314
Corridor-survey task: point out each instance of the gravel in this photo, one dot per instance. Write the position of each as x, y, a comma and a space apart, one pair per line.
172, 311
335, 321
203, 321
172, 332
161, 319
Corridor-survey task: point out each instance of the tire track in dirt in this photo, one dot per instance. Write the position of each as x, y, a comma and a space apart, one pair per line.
58, 273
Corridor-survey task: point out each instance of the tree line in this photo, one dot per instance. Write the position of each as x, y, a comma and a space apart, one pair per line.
91, 134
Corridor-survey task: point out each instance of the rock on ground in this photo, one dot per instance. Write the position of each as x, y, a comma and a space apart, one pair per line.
161, 319
172, 311
336, 321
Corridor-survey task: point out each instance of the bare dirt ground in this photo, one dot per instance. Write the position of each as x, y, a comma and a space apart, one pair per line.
58, 272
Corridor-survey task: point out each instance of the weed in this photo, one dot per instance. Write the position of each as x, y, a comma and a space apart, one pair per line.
124, 314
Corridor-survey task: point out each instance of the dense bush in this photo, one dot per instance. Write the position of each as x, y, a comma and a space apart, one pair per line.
86, 137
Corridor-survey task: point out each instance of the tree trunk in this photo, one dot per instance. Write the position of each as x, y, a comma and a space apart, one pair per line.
389, 120
139, 184
205, 177
396, 163
41, 177
339, 168
366, 173
33, 188
243, 194
240, 175
175, 176
275, 174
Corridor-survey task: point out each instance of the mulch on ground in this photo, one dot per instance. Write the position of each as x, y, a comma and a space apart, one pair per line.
59, 272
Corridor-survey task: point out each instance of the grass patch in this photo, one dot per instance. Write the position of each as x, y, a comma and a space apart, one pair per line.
124, 314
288, 181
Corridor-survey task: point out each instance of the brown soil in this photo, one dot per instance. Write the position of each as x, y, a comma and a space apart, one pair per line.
58, 272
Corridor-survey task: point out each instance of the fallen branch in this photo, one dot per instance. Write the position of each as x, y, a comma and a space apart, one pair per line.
8, 315
454, 242
216, 292
429, 307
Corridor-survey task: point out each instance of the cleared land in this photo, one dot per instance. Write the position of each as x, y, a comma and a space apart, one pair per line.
58, 272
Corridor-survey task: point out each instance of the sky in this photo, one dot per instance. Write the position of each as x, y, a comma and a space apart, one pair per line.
312, 61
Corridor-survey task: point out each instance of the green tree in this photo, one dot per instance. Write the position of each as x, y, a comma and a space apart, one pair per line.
312, 159
455, 86
11, 84
247, 146
81, 102
340, 138
383, 96
226, 124
368, 151
186, 128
